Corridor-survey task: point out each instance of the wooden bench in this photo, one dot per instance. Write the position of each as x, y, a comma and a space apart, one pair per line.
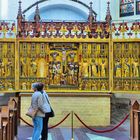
15, 108
9, 120
0, 128
5, 115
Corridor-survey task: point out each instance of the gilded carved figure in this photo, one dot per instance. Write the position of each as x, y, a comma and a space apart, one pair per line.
23, 67
136, 86
2, 68
126, 85
126, 68
85, 68
33, 67
10, 86
72, 55
118, 85
118, 68
24, 86
94, 69
9, 67
55, 73
103, 86
70, 73
94, 86
42, 68
103, 68
135, 68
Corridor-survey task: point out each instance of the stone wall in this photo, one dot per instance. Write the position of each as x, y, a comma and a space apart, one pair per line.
93, 110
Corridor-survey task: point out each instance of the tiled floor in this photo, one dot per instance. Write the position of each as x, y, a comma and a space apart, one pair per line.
122, 133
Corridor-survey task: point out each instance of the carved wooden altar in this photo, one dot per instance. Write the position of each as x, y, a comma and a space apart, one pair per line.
91, 56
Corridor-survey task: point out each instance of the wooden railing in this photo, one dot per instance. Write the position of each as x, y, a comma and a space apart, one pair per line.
9, 120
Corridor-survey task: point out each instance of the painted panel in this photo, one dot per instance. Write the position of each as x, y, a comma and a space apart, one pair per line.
126, 8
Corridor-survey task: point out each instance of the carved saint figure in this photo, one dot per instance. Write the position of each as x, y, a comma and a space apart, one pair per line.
135, 87
72, 55
70, 73
55, 71
24, 86
2, 68
54, 55
126, 68
103, 68
94, 69
23, 67
118, 67
9, 67
94, 86
135, 68
85, 69
33, 67
118, 85
126, 85
10, 86
103, 86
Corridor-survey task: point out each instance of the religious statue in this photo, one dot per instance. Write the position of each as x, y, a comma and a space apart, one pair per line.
63, 79
94, 69
54, 55
103, 86
85, 69
33, 67
118, 67
118, 85
9, 68
72, 55
84, 85
10, 86
42, 68
1, 85
126, 68
55, 73
103, 68
24, 86
70, 73
135, 68
23, 67
94, 86
2, 68
135, 87
126, 85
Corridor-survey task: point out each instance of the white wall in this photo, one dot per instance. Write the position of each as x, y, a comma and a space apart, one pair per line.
9, 11
99, 6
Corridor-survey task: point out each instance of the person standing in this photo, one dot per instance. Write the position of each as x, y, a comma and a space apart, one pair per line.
38, 119
44, 133
40, 103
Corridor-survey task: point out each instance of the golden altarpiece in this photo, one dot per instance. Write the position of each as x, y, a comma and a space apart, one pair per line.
70, 56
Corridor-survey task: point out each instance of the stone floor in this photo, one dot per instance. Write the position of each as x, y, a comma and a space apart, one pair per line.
122, 133
120, 108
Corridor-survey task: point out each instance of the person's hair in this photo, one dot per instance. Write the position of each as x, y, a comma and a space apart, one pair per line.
38, 86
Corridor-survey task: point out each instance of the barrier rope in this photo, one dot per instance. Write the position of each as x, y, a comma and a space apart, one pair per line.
49, 127
102, 131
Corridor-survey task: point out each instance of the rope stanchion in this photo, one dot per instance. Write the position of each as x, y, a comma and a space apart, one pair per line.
102, 131
25, 122
72, 130
51, 126
60, 122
